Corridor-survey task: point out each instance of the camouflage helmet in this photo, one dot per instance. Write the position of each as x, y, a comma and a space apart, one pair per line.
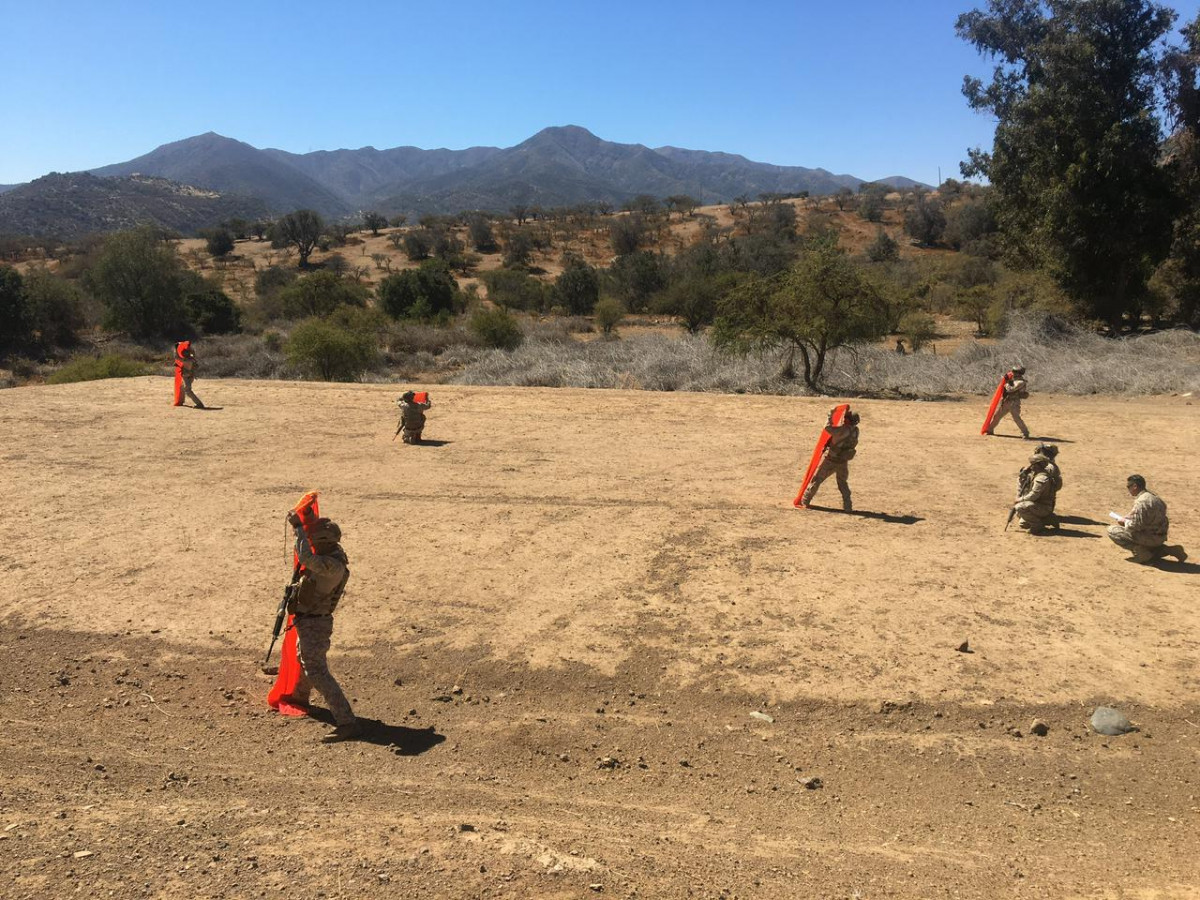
409, 396
852, 417
1050, 451
1018, 370
1037, 461
325, 534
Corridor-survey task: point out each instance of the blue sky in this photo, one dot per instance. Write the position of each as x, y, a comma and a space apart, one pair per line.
865, 87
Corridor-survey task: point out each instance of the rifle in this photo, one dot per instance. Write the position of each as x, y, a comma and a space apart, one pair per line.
281, 613
399, 428
1022, 486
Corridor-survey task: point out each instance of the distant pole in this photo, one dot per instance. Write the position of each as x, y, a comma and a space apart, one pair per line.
939, 176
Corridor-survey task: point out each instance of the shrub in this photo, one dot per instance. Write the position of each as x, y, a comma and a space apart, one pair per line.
218, 242
92, 368
421, 293
56, 308
517, 289
497, 328
328, 351
919, 328
319, 294
578, 287
14, 310
608, 315
213, 311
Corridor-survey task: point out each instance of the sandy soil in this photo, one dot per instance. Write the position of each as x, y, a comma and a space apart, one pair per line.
561, 617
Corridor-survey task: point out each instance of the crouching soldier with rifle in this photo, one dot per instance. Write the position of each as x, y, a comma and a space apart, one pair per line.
1034, 506
312, 597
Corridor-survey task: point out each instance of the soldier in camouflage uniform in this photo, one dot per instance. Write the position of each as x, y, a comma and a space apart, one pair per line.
412, 417
1035, 506
1144, 531
842, 447
1016, 389
316, 596
188, 371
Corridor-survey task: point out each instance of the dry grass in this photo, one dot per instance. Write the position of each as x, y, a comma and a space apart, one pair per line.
1060, 359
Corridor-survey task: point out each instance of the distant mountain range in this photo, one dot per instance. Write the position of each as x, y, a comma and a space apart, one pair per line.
558, 166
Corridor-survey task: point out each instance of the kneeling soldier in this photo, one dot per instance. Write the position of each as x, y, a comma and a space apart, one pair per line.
1144, 531
1035, 507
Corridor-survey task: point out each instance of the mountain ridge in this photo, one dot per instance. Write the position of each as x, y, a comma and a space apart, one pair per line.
560, 165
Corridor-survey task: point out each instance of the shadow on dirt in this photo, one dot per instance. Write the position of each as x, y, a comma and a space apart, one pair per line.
1183, 568
865, 514
1078, 520
425, 443
400, 739
1033, 437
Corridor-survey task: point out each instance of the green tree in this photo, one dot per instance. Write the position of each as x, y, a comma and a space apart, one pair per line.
608, 315
919, 328
418, 244
925, 220
627, 233
422, 293
578, 287
519, 249
821, 303
319, 294
218, 242
517, 289
137, 276
374, 221
883, 249
14, 310
327, 351
1074, 167
56, 308
483, 238
497, 328
635, 278
301, 229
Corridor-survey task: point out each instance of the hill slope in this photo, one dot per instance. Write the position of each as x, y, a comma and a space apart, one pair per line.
70, 206
222, 164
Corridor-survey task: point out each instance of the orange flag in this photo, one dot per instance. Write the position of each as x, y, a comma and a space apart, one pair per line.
839, 416
289, 657
179, 348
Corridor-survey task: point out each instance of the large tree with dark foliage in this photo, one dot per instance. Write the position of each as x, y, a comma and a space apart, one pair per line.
1078, 187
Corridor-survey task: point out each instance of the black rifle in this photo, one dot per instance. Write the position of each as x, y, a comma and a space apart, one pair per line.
1022, 486
281, 614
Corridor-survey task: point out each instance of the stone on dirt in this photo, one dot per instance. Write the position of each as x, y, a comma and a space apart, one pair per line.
1111, 722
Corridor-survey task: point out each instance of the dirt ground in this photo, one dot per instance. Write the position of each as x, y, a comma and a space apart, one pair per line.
597, 650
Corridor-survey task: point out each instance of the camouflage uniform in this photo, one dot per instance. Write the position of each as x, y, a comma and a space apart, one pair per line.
843, 445
1144, 531
1035, 507
1015, 391
412, 418
316, 597
188, 371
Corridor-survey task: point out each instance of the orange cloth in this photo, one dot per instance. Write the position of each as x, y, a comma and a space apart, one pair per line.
289, 657
839, 416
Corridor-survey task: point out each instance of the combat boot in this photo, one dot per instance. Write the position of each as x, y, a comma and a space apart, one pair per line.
347, 732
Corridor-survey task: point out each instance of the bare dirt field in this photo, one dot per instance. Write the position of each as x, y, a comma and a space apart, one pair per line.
598, 651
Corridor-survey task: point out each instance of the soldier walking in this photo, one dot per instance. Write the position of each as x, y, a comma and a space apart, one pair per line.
187, 368
1016, 389
326, 569
842, 447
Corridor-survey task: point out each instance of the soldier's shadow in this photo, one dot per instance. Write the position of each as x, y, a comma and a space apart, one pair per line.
1183, 568
1078, 520
425, 443
399, 739
866, 514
